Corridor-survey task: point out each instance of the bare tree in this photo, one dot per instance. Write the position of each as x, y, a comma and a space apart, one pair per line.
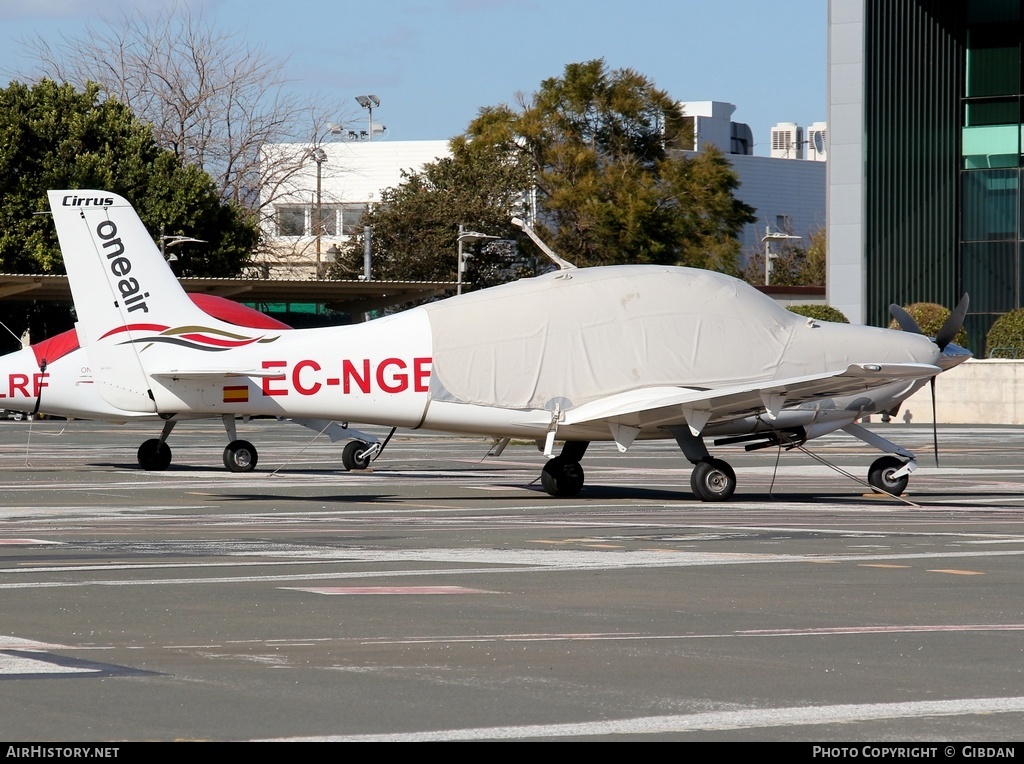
211, 97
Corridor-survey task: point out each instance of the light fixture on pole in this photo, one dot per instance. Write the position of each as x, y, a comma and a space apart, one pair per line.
465, 236
369, 102
769, 237
172, 241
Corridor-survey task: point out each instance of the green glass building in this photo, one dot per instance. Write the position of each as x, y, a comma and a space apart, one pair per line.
926, 121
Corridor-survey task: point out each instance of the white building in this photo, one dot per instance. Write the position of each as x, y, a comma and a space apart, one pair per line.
789, 196
350, 176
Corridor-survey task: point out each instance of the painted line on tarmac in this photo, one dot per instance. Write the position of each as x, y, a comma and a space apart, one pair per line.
387, 590
841, 631
498, 563
710, 721
25, 664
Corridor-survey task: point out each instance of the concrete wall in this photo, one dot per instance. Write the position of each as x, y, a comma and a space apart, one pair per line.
989, 391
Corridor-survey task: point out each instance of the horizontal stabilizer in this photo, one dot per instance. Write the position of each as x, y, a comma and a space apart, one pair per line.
208, 374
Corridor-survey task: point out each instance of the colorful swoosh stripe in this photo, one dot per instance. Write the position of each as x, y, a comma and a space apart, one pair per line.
194, 337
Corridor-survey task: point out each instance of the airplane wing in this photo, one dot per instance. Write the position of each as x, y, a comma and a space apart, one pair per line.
697, 407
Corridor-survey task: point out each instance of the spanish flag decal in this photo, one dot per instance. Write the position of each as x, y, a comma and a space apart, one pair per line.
236, 393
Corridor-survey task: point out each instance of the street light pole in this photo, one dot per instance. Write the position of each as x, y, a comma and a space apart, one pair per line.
319, 156
368, 102
768, 255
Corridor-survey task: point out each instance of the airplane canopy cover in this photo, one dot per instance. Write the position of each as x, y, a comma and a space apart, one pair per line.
570, 337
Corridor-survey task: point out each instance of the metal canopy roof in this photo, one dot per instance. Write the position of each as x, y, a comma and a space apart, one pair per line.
351, 296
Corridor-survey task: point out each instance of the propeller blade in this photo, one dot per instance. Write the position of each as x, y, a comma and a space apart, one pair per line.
935, 425
905, 320
953, 323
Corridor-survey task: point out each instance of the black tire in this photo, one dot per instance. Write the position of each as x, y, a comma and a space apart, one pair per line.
240, 456
713, 480
880, 475
562, 477
354, 456
154, 456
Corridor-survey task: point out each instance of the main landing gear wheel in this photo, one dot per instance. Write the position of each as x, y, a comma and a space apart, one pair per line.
562, 477
355, 456
240, 456
154, 455
712, 480
880, 475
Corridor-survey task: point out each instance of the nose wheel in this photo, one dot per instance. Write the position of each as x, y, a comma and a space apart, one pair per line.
881, 475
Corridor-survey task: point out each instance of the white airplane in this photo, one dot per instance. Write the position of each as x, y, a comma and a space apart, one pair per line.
620, 353
57, 371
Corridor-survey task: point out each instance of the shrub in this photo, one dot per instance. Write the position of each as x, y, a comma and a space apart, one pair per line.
930, 316
1006, 337
820, 313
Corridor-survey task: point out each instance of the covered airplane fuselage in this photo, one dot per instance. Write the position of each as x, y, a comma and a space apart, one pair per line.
572, 337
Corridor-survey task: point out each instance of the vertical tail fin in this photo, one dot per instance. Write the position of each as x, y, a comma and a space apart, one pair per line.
122, 288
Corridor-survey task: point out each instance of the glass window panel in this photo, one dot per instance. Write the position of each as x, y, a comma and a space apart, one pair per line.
328, 220
990, 205
991, 140
1005, 111
991, 276
351, 217
989, 11
291, 220
991, 146
993, 60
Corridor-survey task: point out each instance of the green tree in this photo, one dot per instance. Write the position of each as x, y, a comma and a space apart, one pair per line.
1006, 337
609, 183
52, 136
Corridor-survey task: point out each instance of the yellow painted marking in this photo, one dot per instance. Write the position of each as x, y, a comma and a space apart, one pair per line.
959, 572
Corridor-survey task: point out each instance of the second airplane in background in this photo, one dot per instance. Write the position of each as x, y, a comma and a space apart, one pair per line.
54, 377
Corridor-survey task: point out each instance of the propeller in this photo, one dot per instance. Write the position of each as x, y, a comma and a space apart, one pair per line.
953, 323
949, 328
945, 336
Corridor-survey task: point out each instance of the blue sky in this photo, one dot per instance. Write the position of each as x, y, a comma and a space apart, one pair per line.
434, 63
